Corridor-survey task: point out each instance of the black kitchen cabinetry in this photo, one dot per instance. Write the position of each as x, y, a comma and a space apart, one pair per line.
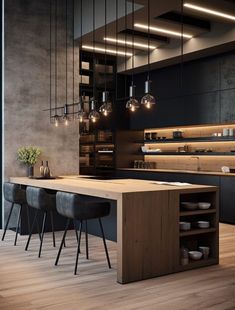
227, 199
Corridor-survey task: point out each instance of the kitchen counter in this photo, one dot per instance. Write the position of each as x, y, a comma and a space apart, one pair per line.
148, 238
181, 171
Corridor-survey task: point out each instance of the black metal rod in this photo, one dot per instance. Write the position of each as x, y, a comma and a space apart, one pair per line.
8, 220
31, 231
52, 228
62, 242
18, 224
87, 251
104, 241
78, 250
42, 233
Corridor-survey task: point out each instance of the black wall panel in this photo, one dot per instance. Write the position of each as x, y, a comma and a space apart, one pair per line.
202, 93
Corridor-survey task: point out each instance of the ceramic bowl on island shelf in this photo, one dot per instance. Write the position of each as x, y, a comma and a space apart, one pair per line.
184, 226
204, 205
195, 255
203, 224
190, 206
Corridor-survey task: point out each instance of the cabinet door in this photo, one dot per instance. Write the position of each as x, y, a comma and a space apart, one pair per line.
227, 200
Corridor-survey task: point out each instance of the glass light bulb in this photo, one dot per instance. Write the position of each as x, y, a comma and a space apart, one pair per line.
132, 104
56, 123
106, 108
81, 115
94, 116
66, 122
148, 101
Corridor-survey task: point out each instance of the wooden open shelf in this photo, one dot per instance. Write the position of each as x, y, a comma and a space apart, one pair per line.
197, 212
198, 264
184, 140
197, 231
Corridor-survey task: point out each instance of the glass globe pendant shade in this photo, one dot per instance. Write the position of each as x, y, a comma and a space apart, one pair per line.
106, 107
132, 104
148, 100
94, 116
65, 117
56, 119
81, 115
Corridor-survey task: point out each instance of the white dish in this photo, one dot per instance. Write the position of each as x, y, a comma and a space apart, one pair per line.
195, 255
185, 226
189, 205
203, 224
204, 205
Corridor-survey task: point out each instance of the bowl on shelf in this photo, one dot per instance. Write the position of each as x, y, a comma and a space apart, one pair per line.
190, 206
195, 255
204, 205
205, 250
203, 224
185, 226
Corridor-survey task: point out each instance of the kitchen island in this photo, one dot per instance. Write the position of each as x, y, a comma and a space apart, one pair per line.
148, 215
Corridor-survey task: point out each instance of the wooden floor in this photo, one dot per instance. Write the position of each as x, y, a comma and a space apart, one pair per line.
27, 282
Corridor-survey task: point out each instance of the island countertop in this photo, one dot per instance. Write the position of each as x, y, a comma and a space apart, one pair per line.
148, 215
111, 188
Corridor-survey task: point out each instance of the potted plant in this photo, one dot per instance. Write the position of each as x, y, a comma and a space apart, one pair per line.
29, 156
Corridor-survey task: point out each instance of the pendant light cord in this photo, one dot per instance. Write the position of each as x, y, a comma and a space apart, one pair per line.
182, 47
116, 80
94, 49
105, 55
148, 78
73, 57
81, 34
125, 59
133, 48
50, 57
56, 56
66, 53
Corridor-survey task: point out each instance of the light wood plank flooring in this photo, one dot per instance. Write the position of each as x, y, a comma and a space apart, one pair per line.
27, 282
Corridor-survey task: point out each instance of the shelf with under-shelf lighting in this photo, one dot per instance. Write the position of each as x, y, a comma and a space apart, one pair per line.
188, 153
197, 212
187, 140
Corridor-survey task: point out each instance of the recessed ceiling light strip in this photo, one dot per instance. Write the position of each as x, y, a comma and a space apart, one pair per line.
163, 30
209, 11
100, 49
129, 43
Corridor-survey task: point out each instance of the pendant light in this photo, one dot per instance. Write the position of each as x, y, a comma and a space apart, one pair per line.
132, 104
65, 115
94, 115
106, 106
148, 100
56, 116
81, 115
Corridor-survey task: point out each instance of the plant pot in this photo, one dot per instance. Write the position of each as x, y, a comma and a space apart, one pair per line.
30, 171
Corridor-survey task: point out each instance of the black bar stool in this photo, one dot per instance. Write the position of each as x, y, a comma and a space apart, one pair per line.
44, 201
75, 207
15, 194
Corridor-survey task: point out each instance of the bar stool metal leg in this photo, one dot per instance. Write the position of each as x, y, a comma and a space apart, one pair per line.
18, 224
8, 219
62, 242
31, 230
75, 229
105, 246
52, 228
87, 253
28, 217
78, 249
42, 233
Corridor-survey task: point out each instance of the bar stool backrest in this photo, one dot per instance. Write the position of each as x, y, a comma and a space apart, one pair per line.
14, 193
40, 199
75, 206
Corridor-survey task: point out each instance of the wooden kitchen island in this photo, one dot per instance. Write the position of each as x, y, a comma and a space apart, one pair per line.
148, 215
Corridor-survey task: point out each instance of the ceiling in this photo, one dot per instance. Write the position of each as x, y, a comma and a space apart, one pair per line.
210, 33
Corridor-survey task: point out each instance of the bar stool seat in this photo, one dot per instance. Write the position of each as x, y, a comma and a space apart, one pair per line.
76, 207
43, 201
16, 195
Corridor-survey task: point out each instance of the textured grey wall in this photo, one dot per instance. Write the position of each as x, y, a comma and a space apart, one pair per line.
27, 88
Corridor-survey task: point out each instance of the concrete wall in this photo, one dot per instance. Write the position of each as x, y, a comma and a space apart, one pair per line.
27, 88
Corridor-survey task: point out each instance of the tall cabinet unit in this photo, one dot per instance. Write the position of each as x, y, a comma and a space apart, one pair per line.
97, 140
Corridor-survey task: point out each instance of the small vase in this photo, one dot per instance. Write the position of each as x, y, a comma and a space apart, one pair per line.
30, 171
